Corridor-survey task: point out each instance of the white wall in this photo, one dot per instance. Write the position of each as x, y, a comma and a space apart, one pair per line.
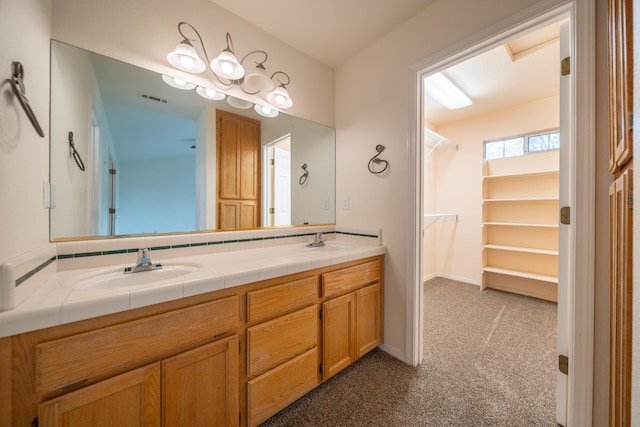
25, 29
372, 107
156, 195
458, 182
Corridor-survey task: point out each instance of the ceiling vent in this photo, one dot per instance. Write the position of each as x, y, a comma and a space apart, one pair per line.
154, 98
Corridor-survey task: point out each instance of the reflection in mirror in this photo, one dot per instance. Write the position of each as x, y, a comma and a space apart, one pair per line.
150, 154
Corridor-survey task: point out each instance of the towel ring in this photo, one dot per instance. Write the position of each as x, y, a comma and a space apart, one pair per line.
74, 152
375, 159
305, 175
17, 83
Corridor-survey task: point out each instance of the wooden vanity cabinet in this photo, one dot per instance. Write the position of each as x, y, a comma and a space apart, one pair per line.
235, 356
351, 315
282, 352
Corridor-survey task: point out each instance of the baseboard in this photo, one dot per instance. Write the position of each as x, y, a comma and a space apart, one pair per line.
452, 277
393, 352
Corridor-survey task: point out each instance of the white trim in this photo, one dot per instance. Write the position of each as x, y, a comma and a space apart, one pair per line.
392, 351
581, 316
581, 329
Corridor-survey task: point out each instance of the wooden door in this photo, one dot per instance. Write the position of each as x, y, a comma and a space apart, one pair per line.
128, 400
200, 387
367, 319
620, 300
238, 163
620, 83
339, 334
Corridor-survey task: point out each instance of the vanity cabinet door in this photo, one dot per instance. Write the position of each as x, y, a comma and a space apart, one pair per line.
200, 387
128, 400
368, 319
339, 334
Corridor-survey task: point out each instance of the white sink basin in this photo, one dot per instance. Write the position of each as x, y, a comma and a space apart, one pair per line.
115, 277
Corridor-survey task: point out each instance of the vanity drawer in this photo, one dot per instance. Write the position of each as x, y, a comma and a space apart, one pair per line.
350, 278
276, 389
105, 352
273, 342
275, 300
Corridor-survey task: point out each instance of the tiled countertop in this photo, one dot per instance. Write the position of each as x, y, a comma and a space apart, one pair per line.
55, 302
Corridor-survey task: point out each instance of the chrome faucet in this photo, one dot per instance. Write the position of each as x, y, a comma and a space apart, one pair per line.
317, 242
144, 262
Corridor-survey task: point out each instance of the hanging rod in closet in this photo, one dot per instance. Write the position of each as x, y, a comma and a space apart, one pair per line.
434, 141
430, 219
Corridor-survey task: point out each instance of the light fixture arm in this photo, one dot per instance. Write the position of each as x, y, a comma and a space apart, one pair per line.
282, 84
188, 40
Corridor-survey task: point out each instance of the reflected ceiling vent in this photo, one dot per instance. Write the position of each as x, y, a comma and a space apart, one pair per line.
154, 98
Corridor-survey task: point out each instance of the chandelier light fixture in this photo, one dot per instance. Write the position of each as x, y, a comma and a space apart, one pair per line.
230, 72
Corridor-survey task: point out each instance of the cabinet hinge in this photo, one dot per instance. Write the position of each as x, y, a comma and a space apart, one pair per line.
565, 215
320, 368
272, 162
272, 210
112, 210
563, 364
565, 66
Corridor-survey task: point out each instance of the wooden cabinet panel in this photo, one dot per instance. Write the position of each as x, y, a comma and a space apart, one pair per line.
368, 334
273, 342
620, 58
279, 299
200, 387
351, 278
274, 390
620, 300
339, 334
238, 152
128, 400
109, 351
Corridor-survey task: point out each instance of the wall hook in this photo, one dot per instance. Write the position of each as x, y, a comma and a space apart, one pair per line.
17, 83
375, 159
305, 175
74, 152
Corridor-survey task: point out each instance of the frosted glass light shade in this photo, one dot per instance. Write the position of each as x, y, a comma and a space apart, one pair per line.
178, 83
184, 57
280, 97
257, 81
211, 94
266, 111
226, 65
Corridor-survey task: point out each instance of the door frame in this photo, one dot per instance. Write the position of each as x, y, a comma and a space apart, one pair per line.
581, 315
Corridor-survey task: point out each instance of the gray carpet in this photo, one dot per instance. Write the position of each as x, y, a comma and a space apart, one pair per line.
489, 361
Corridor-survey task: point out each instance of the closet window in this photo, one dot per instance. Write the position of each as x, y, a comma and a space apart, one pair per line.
521, 145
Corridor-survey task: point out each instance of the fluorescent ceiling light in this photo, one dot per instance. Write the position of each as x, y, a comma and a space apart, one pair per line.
442, 90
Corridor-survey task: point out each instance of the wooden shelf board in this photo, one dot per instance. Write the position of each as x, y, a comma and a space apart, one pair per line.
526, 275
522, 175
521, 224
527, 199
522, 249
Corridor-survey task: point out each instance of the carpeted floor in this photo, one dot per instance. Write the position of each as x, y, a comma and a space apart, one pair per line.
489, 361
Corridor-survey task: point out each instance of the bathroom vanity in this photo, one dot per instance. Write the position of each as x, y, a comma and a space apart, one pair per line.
233, 356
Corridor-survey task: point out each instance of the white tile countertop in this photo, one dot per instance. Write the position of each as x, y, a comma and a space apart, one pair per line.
57, 301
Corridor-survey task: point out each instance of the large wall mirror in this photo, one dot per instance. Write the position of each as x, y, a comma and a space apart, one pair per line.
149, 154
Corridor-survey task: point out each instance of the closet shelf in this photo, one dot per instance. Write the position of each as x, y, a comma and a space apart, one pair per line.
522, 249
525, 175
522, 199
434, 141
521, 224
523, 274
